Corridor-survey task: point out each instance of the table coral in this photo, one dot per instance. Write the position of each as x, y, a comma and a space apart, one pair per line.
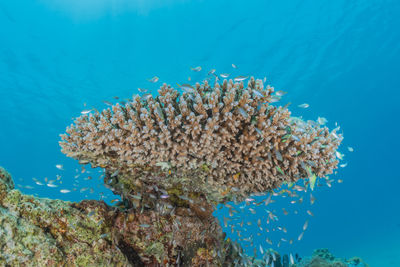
218, 141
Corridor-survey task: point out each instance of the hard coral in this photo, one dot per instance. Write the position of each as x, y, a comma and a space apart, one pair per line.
224, 139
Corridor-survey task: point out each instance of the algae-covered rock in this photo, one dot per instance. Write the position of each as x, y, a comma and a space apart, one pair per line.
38, 232
323, 258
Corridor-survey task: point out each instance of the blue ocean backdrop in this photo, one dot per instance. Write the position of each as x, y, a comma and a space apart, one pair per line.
59, 57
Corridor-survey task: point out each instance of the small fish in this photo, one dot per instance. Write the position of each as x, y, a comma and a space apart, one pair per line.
60, 167
310, 213
211, 71
350, 149
114, 200
343, 165
116, 97
261, 250
197, 69
279, 170
305, 225
86, 111
115, 173
90, 214
83, 161
312, 179
234, 66
340, 181
312, 199
39, 183
142, 90
224, 75
240, 78
291, 258
103, 235
339, 155
265, 79
305, 105
322, 120
138, 196
274, 99
145, 225
107, 102
154, 79
164, 196
146, 96
64, 191
281, 93
51, 185
258, 93
243, 113
187, 87
300, 236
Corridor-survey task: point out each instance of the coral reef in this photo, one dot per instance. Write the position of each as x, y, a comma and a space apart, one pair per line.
323, 258
39, 232
213, 142
171, 158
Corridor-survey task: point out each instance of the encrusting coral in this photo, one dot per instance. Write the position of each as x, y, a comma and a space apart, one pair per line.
218, 142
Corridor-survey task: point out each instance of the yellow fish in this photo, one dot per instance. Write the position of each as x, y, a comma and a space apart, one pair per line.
313, 179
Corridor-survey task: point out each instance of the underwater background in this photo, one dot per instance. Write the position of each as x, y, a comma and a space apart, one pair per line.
60, 57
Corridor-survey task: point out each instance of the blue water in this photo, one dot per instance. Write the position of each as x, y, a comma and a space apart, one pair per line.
341, 57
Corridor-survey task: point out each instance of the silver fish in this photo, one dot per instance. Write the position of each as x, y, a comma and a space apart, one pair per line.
305, 105
197, 69
243, 113
211, 71
300, 236
234, 66
64, 191
224, 75
187, 87
86, 111
60, 167
281, 93
154, 79
240, 78
258, 93
322, 120
305, 225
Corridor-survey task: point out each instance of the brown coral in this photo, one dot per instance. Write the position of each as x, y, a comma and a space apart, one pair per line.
222, 139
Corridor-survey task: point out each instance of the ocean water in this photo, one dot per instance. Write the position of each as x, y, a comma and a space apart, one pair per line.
340, 57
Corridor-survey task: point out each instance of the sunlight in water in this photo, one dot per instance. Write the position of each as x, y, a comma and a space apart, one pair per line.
92, 9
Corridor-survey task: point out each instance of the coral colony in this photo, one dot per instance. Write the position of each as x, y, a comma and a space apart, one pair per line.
173, 157
209, 140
